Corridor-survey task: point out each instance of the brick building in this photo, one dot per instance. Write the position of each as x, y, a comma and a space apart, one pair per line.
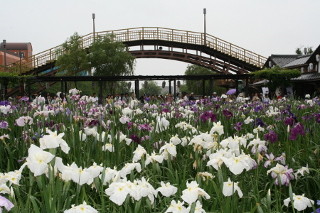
13, 51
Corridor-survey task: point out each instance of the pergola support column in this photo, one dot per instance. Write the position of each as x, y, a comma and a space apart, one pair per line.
136, 88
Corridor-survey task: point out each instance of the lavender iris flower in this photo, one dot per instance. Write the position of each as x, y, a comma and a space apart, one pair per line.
4, 124
4, 202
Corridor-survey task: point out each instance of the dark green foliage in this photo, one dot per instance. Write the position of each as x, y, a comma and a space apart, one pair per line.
278, 77
110, 58
196, 86
150, 88
306, 51
74, 59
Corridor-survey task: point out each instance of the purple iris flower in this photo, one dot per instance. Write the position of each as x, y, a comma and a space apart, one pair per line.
24, 98
227, 113
289, 121
208, 115
259, 122
4, 103
135, 138
93, 122
258, 108
297, 130
317, 117
271, 136
130, 125
165, 110
4, 124
238, 126
144, 127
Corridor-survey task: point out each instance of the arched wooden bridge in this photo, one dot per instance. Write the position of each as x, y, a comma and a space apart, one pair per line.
156, 42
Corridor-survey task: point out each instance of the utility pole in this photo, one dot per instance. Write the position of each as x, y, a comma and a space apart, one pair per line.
204, 26
94, 26
5, 54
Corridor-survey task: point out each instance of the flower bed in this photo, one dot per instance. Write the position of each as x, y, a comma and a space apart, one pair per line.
206, 156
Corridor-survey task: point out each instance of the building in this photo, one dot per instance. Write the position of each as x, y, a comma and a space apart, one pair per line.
309, 66
14, 52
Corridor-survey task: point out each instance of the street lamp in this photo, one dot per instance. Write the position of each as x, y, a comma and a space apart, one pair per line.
204, 25
4, 53
94, 27
20, 55
94, 39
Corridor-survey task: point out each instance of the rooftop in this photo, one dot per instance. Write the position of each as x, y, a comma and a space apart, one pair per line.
16, 46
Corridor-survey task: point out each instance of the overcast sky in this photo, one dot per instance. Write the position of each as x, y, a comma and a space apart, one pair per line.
262, 26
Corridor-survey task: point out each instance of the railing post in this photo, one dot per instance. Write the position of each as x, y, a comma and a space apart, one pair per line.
230, 48
172, 35
142, 33
34, 61
158, 33
50, 55
187, 37
127, 35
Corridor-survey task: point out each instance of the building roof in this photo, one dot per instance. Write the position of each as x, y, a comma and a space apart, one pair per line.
260, 83
17, 46
308, 77
314, 54
301, 60
281, 60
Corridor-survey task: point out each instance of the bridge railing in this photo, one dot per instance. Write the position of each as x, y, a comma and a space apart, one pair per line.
154, 33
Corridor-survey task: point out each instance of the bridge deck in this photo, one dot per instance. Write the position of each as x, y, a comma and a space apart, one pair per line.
132, 36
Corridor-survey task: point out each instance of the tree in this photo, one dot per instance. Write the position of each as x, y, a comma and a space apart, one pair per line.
278, 77
196, 86
306, 51
110, 58
74, 58
150, 88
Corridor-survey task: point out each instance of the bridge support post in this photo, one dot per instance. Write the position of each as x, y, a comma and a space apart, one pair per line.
5, 90
247, 87
136, 88
100, 93
211, 84
170, 91
237, 87
203, 87
65, 88
175, 89
29, 89
61, 86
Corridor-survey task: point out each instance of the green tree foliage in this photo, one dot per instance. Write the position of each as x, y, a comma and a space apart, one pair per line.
278, 77
74, 58
196, 86
306, 51
110, 58
150, 88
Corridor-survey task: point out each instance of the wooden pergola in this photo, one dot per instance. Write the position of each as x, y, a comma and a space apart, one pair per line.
136, 78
